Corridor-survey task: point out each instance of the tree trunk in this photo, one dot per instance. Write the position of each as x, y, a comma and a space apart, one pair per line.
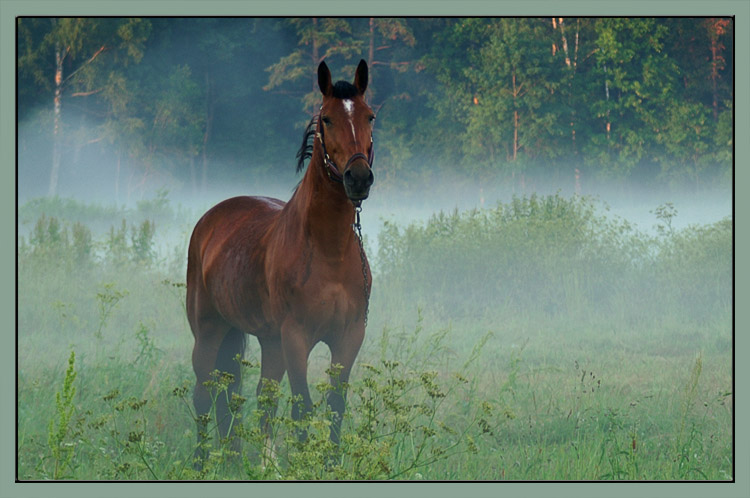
117, 178
193, 180
371, 54
371, 51
716, 28
315, 58
564, 43
606, 94
515, 134
515, 117
210, 106
571, 64
56, 132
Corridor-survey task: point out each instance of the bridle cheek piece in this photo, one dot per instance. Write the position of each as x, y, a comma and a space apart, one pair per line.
331, 169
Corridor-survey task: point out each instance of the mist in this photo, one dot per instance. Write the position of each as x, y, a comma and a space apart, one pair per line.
403, 201
565, 270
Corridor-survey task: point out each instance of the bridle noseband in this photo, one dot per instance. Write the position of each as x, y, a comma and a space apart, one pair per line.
331, 169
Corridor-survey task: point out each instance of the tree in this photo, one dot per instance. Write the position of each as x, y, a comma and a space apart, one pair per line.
717, 29
636, 83
318, 39
87, 53
697, 130
389, 40
188, 100
503, 93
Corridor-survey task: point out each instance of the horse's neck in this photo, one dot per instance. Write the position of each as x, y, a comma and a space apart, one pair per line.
324, 212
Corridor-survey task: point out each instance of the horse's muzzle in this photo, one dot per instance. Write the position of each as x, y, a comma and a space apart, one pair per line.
358, 178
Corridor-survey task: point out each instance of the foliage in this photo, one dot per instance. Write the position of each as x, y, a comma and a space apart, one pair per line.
622, 98
71, 246
574, 381
556, 257
60, 431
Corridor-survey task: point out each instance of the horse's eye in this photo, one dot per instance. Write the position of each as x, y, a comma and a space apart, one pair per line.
326, 121
371, 118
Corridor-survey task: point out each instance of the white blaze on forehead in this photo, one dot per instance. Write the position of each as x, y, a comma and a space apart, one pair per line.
349, 107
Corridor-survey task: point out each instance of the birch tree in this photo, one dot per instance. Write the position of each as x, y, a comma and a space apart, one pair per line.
80, 57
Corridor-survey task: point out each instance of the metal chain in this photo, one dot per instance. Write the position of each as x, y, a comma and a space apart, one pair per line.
358, 229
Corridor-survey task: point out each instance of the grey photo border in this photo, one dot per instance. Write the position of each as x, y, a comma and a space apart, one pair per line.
11, 9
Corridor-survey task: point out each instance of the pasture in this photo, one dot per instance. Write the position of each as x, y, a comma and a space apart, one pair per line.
534, 340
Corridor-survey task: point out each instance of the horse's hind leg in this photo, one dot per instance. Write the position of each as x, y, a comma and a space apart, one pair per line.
232, 350
216, 346
272, 369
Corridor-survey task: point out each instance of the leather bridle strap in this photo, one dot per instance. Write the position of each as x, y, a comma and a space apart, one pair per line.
331, 169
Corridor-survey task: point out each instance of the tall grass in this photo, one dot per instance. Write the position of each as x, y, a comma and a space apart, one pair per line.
538, 340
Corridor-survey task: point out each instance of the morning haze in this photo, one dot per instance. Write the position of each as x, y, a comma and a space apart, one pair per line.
550, 233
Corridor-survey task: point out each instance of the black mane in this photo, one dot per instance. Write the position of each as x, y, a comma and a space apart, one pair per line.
308, 139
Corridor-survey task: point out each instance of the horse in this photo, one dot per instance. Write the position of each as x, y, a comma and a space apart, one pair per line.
292, 274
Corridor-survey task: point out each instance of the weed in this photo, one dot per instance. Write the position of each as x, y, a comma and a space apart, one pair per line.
142, 240
688, 448
147, 349
107, 300
434, 396
59, 435
665, 213
620, 448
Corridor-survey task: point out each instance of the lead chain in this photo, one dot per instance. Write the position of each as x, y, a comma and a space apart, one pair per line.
358, 229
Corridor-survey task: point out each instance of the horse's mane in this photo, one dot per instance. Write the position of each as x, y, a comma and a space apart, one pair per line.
341, 90
308, 139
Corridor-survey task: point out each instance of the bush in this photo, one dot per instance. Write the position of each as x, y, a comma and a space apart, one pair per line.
553, 257
71, 246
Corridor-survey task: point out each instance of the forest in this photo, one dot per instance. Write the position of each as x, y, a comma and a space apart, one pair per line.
190, 103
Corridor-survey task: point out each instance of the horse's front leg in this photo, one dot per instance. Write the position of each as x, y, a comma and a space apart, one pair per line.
344, 349
296, 345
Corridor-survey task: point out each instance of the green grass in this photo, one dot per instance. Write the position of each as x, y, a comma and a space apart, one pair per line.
534, 341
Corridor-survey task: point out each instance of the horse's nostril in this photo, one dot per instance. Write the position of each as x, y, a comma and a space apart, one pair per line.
358, 176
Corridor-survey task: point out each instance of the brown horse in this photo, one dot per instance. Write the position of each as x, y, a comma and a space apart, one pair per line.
291, 274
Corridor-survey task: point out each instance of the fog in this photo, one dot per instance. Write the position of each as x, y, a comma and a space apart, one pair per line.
229, 61
91, 179
531, 304
401, 201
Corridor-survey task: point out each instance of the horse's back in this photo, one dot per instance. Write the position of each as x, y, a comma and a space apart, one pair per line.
235, 220
226, 252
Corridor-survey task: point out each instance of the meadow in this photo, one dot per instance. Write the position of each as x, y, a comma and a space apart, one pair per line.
538, 339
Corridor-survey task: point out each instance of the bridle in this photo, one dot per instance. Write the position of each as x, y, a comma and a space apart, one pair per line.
332, 170
335, 175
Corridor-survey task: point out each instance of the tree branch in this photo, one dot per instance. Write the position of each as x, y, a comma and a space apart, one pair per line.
91, 59
86, 94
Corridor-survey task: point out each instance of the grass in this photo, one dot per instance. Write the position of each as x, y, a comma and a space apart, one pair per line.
479, 371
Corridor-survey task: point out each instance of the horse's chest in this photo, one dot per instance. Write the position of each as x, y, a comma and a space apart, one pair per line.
324, 301
331, 302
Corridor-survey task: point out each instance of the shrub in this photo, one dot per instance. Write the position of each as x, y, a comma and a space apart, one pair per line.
554, 257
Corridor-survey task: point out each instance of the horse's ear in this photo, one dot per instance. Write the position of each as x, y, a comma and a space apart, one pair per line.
324, 79
360, 77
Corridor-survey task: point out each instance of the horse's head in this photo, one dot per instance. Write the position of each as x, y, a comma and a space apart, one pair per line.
345, 132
